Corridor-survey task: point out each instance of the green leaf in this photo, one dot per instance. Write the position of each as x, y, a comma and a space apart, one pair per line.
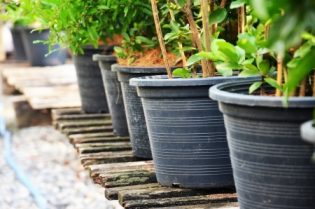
217, 16
225, 72
272, 82
248, 43
198, 57
255, 86
249, 70
237, 4
264, 67
182, 73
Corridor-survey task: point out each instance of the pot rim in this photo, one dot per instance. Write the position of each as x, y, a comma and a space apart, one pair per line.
104, 57
138, 69
308, 131
163, 81
219, 92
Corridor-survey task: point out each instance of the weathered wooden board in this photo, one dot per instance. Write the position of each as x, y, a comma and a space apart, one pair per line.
132, 181
45, 87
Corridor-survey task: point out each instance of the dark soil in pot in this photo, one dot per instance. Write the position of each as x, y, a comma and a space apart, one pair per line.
133, 106
90, 82
36, 52
113, 94
271, 164
19, 50
186, 131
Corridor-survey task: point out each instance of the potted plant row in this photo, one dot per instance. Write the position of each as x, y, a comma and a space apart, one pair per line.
186, 129
29, 36
271, 164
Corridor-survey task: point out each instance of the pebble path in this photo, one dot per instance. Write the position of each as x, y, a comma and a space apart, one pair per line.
53, 167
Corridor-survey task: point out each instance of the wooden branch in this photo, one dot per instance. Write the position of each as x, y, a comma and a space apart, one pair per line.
180, 45
279, 73
160, 37
223, 3
205, 23
241, 19
302, 88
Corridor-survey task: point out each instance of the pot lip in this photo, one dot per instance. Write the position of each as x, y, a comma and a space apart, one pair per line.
163, 81
103, 57
139, 69
219, 93
308, 131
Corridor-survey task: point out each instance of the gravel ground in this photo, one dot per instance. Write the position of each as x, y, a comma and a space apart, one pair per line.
53, 167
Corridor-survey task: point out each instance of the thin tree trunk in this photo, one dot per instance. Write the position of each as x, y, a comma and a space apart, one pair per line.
160, 37
207, 35
302, 88
279, 73
223, 3
180, 45
241, 19
195, 33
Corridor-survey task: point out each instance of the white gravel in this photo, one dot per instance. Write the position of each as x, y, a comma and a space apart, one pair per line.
53, 167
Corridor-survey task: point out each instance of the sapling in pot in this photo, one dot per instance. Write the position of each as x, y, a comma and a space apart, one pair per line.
271, 164
185, 128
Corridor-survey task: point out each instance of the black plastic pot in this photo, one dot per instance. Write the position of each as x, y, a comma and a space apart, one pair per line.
19, 50
271, 164
113, 94
91, 88
186, 131
36, 52
134, 111
308, 131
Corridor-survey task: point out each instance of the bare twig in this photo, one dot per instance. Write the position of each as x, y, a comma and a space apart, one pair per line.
195, 34
302, 88
205, 23
279, 74
180, 45
241, 19
160, 37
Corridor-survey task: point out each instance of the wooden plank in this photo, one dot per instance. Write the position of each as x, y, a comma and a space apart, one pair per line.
106, 157
101, 147
89, 129
167, 192
228, 205
117, 167
100, 139
61, 124
112, 193
179, 201
75, 137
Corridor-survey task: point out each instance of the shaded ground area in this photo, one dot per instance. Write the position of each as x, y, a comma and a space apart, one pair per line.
53, 167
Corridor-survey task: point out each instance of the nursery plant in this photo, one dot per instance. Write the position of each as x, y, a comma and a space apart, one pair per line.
271, 164
185, 128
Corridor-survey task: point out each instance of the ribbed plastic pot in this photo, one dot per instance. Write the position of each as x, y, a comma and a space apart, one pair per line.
19, 50
90, 82
36, 52
308, 131
271, 164
113, 94
134, 111
186, 131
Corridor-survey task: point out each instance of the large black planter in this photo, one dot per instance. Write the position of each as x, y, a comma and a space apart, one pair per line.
186, 131
91, 88
113, 94
134, 111
271, 164
19, 50
36, 52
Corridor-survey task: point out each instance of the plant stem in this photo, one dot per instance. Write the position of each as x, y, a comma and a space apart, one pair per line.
214, 26
180, 45
279, 74
314, 84
195, 34
302, 88
223, 3
241, 19
160, 37
207, 34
